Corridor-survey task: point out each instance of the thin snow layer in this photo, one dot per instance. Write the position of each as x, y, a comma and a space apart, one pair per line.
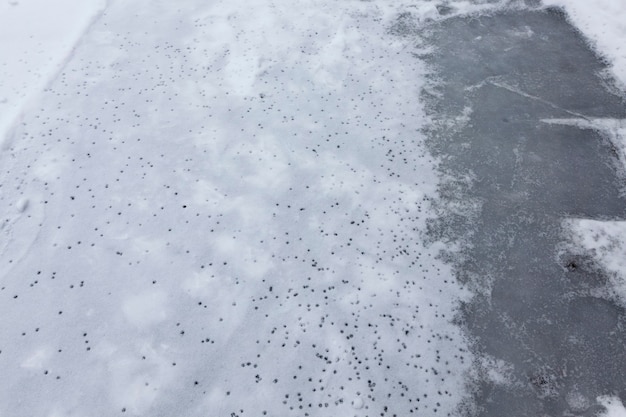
604, 23
36, 36
605, 241
218, 209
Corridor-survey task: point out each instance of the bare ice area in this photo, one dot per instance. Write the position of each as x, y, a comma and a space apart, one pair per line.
527, 125
312, 208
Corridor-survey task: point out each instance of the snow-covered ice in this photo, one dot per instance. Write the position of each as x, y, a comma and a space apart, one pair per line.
220, 207
36, 38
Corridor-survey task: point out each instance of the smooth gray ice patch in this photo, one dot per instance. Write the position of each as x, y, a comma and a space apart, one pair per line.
512, 180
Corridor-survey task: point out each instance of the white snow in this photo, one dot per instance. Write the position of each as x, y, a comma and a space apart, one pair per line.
357, 403
613, 405
36, 37
605, 241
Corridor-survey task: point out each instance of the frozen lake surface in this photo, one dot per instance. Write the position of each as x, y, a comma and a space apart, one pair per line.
311, 208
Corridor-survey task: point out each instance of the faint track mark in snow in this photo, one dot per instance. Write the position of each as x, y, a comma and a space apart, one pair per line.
19, 229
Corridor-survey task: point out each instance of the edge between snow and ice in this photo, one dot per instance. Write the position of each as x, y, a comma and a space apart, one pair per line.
252, 184
603, 23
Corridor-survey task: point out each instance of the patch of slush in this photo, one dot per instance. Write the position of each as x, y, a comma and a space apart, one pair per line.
36, 37
222, 210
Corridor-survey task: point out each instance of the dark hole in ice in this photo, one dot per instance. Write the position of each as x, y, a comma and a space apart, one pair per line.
572, 265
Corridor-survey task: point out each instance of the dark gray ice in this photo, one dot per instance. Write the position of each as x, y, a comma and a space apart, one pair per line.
513, 179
